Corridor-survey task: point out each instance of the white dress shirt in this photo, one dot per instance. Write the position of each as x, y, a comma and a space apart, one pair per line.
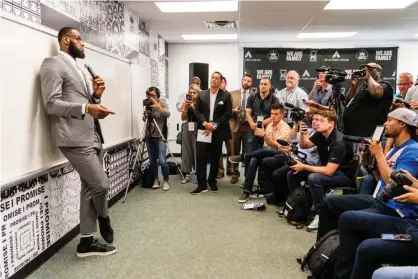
212, 104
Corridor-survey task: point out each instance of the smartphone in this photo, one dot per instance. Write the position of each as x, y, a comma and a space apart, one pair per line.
378, 133
260, 122
399, 237
188, 97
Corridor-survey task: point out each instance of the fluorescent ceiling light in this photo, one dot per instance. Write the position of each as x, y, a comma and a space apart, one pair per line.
326, 35
416, 35
210, 37
367, 5
198, 7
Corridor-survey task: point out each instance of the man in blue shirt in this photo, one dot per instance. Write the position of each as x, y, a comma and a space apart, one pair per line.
319, 97
356, 226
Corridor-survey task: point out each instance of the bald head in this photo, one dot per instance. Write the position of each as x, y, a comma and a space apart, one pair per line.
292, 79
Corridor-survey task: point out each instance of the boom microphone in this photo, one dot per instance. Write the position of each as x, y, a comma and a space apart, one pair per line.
289, 105
353, 139
90, 70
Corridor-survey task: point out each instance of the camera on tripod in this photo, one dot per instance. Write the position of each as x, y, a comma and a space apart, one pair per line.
295, 153
334, 76
395, 186
297, 114
147, 102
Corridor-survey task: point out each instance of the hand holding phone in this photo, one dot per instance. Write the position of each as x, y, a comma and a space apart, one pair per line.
398, 237
378, 133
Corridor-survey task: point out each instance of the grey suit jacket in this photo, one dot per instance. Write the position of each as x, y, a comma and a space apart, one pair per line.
63, 95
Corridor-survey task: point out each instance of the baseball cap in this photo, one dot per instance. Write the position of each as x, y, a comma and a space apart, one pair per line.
405, 115
371, 65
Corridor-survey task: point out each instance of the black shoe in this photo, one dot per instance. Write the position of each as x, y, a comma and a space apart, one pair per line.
95, 249
105, 229
199, 190
213, 188
244, 198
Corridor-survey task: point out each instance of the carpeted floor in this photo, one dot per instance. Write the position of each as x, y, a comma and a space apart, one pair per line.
176, 235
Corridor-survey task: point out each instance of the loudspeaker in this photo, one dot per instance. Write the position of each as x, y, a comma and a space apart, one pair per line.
200, 70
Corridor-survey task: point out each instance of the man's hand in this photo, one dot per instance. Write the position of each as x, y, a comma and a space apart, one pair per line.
367, 71
414, 104
252, 126
236, 110
303, 128
99, 111
298, 167
317, 83
375, 148
267, 121
310, 103
259, 132
412, 196
98, 86
354, 82
207, 132
209, 127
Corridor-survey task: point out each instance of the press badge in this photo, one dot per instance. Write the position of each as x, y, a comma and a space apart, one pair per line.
192, 126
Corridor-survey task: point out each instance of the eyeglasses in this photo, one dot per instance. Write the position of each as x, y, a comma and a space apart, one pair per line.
77, 38
404, 84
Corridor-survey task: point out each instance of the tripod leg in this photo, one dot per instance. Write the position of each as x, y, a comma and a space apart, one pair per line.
140, 152
168, 148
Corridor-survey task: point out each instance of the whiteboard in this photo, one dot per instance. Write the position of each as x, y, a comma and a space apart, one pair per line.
25, 135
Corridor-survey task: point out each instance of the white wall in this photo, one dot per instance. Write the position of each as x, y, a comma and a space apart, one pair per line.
227, 58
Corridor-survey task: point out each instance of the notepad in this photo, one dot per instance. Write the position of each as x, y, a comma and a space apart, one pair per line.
203, 138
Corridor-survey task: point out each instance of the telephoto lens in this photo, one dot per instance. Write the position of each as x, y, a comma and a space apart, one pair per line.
395, 186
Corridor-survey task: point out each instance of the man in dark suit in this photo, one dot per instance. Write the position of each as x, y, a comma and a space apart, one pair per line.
213, 111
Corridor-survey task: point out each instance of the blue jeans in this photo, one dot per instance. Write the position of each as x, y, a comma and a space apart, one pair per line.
367, 185
254, 142
362, 250
396, 272
252, 162
317, 183
157, 150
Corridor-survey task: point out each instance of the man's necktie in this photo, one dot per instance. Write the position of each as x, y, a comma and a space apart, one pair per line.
243, 103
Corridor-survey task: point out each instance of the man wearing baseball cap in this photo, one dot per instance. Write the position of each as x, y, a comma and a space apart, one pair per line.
360, 217
368, 105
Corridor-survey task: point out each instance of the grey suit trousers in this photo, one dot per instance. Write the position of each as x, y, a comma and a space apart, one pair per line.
88, 162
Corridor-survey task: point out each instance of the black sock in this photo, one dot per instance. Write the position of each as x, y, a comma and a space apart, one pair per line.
86, 240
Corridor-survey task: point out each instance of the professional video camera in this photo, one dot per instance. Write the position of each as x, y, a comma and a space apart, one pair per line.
395, 186
358, 73
295, 153
334, 76
400, 101
297, 114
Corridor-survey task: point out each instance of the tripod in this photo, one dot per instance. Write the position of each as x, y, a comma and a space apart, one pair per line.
338, 104
146, 133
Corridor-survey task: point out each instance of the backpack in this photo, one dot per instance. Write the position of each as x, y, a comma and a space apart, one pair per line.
321, 258
146, 178
297, 207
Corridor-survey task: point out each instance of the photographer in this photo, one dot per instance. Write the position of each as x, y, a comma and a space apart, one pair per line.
189, 133
319, 97
336, 158
182, 97
368, 105
155, 144
401, 126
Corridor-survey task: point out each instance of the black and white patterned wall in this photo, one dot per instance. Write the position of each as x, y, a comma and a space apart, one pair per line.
109, 25
38, 212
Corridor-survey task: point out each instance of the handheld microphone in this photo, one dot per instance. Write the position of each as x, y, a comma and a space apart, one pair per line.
289, 105
90, 70
282, 142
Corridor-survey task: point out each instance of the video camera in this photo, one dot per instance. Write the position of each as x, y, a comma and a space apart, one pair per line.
147, 102
334, 76
295, 153
400, 101
395, 186
297, 114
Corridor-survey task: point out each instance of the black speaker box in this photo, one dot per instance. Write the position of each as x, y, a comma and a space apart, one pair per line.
200, 70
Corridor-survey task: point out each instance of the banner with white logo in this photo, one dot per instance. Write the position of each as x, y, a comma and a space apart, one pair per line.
276, 62
38, 212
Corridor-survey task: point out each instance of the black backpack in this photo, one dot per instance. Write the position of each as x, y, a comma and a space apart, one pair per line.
297, 207
321, 258
146, 178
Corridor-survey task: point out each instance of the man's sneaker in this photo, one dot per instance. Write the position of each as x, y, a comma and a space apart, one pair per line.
156, 185
236, 159
313, 226
213, 188
95, 249
244, 198
106, 229
166, 186
199, 190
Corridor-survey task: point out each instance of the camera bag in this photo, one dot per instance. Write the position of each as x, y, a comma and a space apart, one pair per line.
297, 207
321, 258
146, 178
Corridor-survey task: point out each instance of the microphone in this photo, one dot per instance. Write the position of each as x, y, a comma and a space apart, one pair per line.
282, 142
90, 70
289, 105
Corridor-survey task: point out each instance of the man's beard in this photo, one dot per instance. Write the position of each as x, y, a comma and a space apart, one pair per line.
246, 86
75, 52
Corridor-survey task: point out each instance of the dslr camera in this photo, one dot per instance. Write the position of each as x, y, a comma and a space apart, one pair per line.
334, 76
358, 74
297, 114
295, 153
147, 102
395, 186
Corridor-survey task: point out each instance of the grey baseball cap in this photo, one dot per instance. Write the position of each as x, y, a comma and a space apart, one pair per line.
371, 65
405, 115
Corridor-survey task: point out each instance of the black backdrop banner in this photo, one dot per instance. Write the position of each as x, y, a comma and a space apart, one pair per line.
276, 62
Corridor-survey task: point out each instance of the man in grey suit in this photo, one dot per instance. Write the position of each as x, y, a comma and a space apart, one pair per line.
73, 114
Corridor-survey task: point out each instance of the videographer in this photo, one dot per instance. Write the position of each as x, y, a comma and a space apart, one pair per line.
336, 158
189, 133
401, 126
319, 97
156, 146
368, 105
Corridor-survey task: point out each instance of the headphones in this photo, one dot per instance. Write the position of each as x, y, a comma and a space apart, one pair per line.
153, 88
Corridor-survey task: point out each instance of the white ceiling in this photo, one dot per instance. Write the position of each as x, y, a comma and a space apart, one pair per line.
274, 21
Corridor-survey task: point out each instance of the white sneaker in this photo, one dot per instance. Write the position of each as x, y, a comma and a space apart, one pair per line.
313, 226
156, 185
166, 186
